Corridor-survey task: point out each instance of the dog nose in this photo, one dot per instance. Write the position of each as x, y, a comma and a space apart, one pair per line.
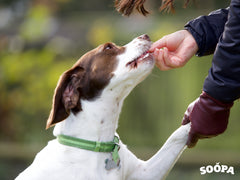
144, 37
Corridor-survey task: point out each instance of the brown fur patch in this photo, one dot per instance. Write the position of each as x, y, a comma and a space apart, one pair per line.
85, 80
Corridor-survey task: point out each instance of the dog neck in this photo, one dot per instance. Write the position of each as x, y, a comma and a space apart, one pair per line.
97, 121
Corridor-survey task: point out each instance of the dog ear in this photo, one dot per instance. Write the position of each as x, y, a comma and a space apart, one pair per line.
66, 96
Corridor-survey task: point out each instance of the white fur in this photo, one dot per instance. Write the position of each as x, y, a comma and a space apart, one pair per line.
98, 121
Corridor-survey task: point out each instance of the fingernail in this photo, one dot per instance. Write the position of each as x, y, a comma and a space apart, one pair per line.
151, 49
156, 52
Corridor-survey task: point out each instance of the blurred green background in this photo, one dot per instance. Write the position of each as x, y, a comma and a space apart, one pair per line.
40, 39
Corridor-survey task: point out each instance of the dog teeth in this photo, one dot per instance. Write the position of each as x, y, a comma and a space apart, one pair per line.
134, 63
143, 56
146, 55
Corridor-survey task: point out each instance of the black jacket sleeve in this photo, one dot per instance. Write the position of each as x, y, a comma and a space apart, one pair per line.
223, 80
207, 29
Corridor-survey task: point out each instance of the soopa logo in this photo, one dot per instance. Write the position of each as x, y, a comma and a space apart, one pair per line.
217, 168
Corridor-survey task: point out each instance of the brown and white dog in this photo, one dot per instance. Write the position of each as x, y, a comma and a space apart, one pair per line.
86, 104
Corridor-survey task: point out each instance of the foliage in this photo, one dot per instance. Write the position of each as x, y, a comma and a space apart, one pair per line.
44, 45
39, 40
36, 21
100, 32
27, 82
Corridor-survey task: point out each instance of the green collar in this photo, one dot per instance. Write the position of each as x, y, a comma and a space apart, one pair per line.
95, 146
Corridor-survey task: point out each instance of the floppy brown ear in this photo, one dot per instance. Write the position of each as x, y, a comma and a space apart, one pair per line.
66, 96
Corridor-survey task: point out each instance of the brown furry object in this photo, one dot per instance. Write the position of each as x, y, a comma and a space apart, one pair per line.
167, 5
126, 7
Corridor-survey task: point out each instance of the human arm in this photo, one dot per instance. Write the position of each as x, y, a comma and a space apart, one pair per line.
210, 112
223, 80
199, 37
207, 30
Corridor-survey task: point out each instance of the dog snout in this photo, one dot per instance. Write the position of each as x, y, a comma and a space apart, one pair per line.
144, 37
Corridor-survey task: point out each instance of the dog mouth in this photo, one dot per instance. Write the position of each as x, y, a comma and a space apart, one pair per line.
134, 63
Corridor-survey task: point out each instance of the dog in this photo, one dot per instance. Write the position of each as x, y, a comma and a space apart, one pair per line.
86, 106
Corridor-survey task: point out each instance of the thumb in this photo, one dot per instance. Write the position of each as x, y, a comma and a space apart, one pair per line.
158, 44
185, 120
192, 140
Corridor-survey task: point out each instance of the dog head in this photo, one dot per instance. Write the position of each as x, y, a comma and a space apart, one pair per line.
109, 66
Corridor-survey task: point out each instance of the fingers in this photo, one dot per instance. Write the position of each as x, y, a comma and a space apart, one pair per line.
158, 44
186, 117
192, 140
170, 41
160, 62
163, 59
185, 120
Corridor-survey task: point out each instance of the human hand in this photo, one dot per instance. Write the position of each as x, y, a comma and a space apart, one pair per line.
174, 50
208, 117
